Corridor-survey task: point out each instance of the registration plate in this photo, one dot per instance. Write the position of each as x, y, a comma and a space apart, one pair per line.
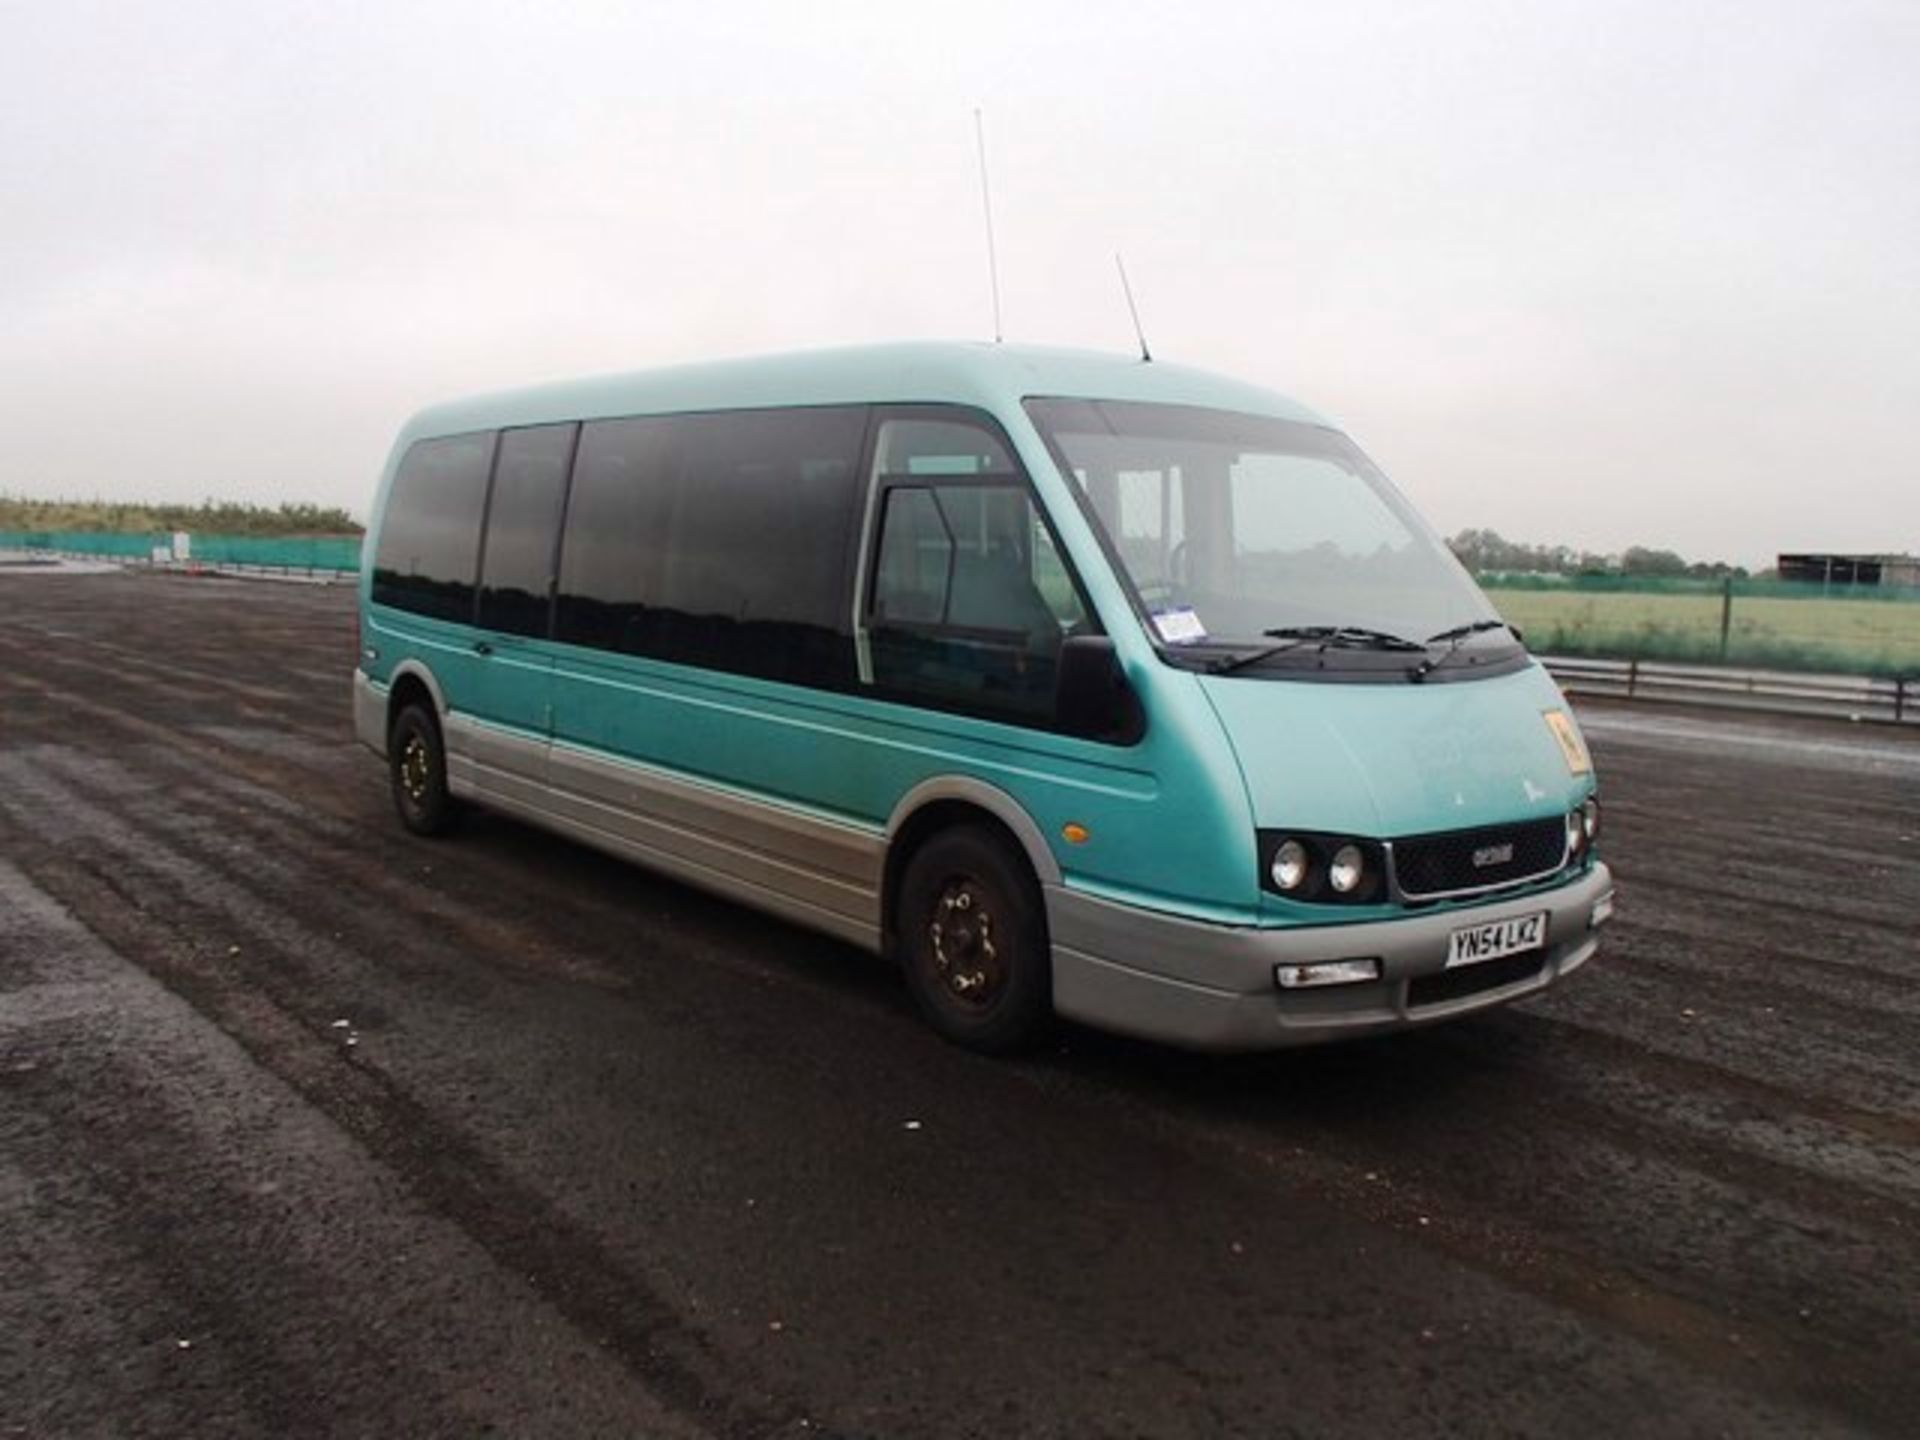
1497, 938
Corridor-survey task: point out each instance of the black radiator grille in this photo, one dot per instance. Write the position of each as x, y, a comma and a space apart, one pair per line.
1479, 859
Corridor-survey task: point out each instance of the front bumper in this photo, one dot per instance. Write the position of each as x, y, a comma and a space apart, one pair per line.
1211, 987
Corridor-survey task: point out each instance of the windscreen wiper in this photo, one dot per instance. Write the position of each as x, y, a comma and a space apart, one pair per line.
1345, 637
1472, 627
1453, 639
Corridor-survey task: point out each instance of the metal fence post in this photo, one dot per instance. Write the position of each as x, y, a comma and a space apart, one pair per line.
1726, 614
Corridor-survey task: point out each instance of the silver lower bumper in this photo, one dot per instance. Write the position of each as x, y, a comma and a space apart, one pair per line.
1211, 987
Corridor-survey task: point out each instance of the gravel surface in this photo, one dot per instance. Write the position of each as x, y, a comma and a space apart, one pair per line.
310, 1127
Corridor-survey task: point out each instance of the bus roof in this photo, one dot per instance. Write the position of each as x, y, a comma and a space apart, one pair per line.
993, 377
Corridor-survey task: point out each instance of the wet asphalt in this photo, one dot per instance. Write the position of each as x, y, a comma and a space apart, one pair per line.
309, 1127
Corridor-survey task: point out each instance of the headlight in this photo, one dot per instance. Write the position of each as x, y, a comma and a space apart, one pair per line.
1590, 818
1289, 868
1317, 867
1349, 868
1576, 832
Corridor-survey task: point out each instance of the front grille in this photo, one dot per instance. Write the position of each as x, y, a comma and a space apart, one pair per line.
1444, 864
1473, 979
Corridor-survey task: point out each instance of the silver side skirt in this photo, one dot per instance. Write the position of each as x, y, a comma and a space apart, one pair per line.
821, 873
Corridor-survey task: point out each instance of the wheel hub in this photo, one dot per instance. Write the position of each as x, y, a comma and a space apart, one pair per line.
414, 769
966, 953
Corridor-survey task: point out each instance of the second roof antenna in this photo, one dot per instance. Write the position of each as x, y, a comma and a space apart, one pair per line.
986, 201
1146, 355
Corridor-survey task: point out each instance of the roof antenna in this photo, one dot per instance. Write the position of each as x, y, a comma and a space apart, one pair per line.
986, 202
1146, 355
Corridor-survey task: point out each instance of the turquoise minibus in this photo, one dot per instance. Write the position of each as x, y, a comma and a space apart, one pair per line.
1082, 686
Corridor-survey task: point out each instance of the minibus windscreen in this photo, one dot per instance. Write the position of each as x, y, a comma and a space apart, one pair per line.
1235, 530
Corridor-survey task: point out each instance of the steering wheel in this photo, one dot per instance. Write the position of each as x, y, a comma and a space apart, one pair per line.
1177, 575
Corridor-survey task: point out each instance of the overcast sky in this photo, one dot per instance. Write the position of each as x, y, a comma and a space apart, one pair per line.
1594, 273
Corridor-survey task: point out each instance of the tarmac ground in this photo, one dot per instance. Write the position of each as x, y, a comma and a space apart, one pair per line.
311, 1127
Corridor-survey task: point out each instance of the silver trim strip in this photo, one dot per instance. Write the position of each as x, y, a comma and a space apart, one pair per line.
817, 871
862, 642
734, 887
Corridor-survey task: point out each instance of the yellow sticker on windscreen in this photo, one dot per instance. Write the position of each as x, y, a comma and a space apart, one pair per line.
1571, 745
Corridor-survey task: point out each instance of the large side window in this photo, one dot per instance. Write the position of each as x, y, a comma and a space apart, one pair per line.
719, 540
616, 533
523, 528
970, 598
430, 533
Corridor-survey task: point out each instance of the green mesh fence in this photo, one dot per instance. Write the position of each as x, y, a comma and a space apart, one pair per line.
292, 552
288, 552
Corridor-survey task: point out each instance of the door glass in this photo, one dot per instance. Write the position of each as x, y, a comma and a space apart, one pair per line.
970, 598
523, 523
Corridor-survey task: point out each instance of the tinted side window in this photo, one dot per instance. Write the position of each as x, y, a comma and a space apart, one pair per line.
970, 596
718, 540
616, 533
430, 533
523, 528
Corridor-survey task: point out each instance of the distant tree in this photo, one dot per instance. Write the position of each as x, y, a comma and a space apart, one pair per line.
1639, 560
1487, 552
211, 517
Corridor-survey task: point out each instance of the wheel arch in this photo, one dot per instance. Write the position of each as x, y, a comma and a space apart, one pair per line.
940, 804
409, 682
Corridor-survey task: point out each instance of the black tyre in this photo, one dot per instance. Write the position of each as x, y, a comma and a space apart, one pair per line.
417, 763
972, 939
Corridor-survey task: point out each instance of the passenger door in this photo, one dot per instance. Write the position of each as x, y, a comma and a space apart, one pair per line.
969, 599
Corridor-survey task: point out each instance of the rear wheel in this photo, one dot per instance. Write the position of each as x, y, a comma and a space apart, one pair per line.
972, 940
417, 762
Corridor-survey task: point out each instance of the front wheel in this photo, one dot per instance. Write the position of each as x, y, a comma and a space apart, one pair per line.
417, 762
973, 943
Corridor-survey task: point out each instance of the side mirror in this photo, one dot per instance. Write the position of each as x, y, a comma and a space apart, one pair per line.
1091, 695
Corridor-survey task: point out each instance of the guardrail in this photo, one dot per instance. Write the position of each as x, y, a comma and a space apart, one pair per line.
1852, 697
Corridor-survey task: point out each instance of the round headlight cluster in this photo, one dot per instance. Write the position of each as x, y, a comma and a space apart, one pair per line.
1290, 866
1325, 867
1583, 827
1348, 869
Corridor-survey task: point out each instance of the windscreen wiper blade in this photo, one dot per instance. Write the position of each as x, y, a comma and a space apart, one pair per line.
1293, 637
1472, 627
1453, 639
1227, 664
1345, 636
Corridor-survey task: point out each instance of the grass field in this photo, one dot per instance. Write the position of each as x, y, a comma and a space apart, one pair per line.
1882, 636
